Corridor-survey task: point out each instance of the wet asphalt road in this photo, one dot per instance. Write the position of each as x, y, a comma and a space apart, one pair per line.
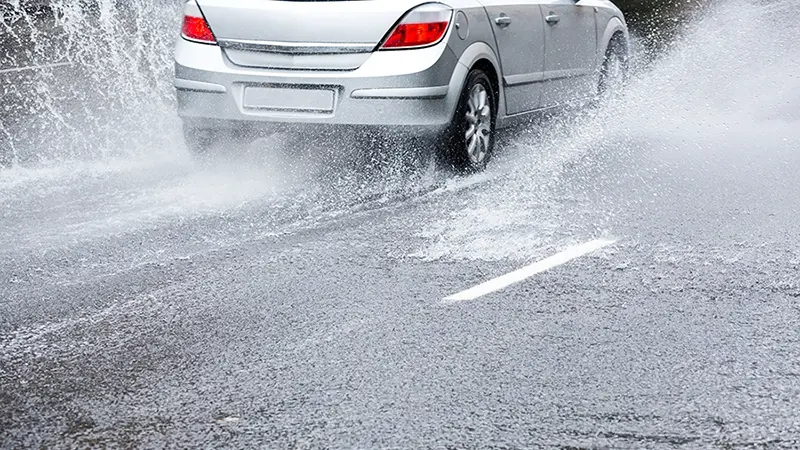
281, 298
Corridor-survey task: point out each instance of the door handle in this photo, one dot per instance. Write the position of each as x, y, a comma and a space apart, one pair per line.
553, 19
503, 21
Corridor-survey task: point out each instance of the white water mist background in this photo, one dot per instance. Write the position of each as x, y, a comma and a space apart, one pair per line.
113, 97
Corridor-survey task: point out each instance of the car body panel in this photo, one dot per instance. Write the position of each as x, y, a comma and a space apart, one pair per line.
417, 88
608, 25
302, 35
571, 51
416, 72
521, 46
358, 22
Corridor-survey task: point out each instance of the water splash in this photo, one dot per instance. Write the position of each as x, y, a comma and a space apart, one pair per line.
87, 81
729, 85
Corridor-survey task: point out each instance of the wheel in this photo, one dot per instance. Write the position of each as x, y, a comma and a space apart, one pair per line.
5, 159
469, 142
201, 141
6, 153
204, 142
614, 73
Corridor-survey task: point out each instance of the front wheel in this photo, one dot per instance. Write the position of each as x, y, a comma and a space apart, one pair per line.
6, 158
614, 73
469, 142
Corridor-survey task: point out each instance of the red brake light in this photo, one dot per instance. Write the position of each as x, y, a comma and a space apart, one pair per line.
195, 26
197, 29
423, 26
416, 34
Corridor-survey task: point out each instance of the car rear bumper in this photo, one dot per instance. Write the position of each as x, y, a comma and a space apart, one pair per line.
416, 89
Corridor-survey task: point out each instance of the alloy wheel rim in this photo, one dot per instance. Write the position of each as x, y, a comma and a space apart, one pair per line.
479, 125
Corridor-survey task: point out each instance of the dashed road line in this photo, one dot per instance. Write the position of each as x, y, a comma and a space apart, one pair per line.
523, 274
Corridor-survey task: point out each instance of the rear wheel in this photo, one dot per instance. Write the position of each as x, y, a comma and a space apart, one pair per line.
201, 141
205, 142
469, 142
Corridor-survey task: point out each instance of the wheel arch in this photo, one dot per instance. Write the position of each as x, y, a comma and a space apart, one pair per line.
489, 69
614, 28
478, 55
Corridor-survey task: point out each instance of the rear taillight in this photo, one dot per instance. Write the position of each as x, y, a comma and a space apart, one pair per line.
422, 27
195, 26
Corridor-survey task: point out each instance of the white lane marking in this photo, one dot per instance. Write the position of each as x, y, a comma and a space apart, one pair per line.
529, 271
44, 66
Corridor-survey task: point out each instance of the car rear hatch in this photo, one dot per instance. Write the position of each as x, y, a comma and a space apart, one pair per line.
302, 35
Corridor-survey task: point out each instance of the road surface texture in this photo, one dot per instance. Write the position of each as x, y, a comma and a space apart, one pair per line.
293, 294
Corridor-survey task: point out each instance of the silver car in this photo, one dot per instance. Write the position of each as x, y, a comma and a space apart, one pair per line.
456, 70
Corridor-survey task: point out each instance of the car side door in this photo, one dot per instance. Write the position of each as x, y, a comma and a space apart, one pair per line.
571, 51
519, 31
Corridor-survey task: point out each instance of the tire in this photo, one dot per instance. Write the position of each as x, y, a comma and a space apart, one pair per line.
5, 158
200, 141
205, 142
469, 142
6, 153
614, 73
